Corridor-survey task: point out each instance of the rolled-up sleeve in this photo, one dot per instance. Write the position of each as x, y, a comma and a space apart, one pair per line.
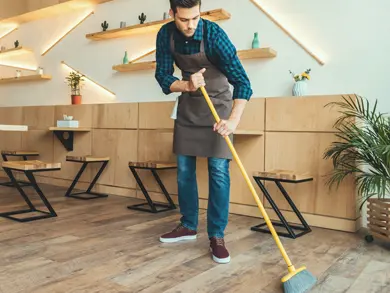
231, 66
164, 61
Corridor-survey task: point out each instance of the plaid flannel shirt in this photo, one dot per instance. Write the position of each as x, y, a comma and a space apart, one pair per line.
218, 48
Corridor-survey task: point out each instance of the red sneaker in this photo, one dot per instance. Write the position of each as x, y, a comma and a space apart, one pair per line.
178, 234
219, 251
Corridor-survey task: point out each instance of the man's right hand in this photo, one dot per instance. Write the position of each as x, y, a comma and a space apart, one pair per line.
196, 80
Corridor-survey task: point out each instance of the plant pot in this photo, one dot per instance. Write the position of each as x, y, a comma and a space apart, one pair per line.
299, 88
378, 217
76, 99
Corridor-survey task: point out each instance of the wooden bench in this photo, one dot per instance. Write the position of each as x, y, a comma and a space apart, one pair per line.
85, 160
153, 166
19, 154
29, 168
282, 176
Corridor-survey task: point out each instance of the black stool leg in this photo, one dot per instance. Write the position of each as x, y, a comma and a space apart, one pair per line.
153, 206
88, 192
283, 223
32, 208
10, 184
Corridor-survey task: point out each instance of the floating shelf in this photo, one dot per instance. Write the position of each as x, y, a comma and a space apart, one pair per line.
243, 54
15, 51
25, 78
212, 15
256, 53
66, 135
53, 10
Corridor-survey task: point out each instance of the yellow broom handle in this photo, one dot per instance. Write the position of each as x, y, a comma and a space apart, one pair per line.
252, 189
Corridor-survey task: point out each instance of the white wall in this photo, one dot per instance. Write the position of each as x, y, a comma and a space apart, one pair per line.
351, 35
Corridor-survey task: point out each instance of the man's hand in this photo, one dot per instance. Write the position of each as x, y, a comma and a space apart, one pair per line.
226, 127
196, 80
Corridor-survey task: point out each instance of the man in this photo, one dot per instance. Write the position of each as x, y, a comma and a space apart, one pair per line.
206, 57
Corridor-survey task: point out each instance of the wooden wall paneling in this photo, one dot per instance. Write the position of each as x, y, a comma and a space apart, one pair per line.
253, 117
82, 113
120, 116
11, 115
39, 117
301, 113
156, 145
121, 147
156, 115
304, 154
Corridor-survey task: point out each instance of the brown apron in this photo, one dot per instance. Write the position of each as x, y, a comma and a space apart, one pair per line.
193, 129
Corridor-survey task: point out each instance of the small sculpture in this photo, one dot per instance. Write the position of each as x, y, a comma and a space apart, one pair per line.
142, 18
105, 25
123, 24
166, 15
16, 43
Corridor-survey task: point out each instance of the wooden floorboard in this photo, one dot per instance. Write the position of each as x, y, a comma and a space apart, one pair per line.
101, 246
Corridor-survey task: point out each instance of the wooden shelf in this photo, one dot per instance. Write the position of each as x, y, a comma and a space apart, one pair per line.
243, 54
15, 51
249, 132
25, 78
51, 11
256, 53
79, 129
154, 26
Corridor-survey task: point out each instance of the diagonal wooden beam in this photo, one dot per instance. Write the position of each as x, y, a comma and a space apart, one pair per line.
311, 53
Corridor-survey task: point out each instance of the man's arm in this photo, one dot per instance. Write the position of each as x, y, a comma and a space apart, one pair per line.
226, 55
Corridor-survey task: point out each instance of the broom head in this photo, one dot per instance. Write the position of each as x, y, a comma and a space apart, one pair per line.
298, 281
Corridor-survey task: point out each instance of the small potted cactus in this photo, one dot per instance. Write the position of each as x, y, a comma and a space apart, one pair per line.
105, 25
142, 18
16, 43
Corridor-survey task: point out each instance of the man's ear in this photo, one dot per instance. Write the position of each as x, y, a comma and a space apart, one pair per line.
171, 13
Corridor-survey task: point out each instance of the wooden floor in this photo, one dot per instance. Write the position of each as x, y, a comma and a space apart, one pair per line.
101, 246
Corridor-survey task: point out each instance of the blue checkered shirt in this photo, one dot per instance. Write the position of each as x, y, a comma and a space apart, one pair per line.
218, 48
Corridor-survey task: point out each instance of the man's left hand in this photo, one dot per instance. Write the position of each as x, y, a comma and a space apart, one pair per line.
226, 127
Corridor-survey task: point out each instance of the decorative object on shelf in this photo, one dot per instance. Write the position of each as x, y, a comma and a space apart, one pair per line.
256, 42
166, 15
16, 43
142, 18
123, 24
67, 122
125, 58
18, 73
3, 48
74, 81
40, 70
300, 86
362, 154
105, 25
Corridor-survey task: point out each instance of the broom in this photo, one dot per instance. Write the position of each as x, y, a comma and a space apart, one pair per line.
297, 280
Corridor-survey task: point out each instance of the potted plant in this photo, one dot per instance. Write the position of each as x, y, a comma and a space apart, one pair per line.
74, 81
300, 85
364, 153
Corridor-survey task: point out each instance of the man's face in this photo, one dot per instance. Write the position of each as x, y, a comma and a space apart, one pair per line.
187, 20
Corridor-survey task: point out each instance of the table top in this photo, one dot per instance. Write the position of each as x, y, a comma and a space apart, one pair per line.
4, 127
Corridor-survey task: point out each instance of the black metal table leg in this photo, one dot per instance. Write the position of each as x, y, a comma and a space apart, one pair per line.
88, 194
283, 222
153, 206
32, 208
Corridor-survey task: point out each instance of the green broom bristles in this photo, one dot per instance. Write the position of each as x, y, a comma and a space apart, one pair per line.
300, 283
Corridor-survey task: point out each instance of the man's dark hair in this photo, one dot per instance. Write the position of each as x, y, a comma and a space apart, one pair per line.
184, 4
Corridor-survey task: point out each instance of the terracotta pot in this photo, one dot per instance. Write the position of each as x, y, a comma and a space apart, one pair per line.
76, 99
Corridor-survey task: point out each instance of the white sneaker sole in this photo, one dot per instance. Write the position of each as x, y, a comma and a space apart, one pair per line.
173, 240
220, 260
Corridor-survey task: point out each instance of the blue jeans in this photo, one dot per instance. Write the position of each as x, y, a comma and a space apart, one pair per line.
219, 194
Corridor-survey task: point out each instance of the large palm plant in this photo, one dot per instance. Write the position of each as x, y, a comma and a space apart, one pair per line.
364, 148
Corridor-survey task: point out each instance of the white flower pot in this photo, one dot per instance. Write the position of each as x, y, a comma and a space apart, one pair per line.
299, 88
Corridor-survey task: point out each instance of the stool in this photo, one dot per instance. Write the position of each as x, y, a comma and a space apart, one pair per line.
279, 176
85, 160
153, 167
24, 155
29, 168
